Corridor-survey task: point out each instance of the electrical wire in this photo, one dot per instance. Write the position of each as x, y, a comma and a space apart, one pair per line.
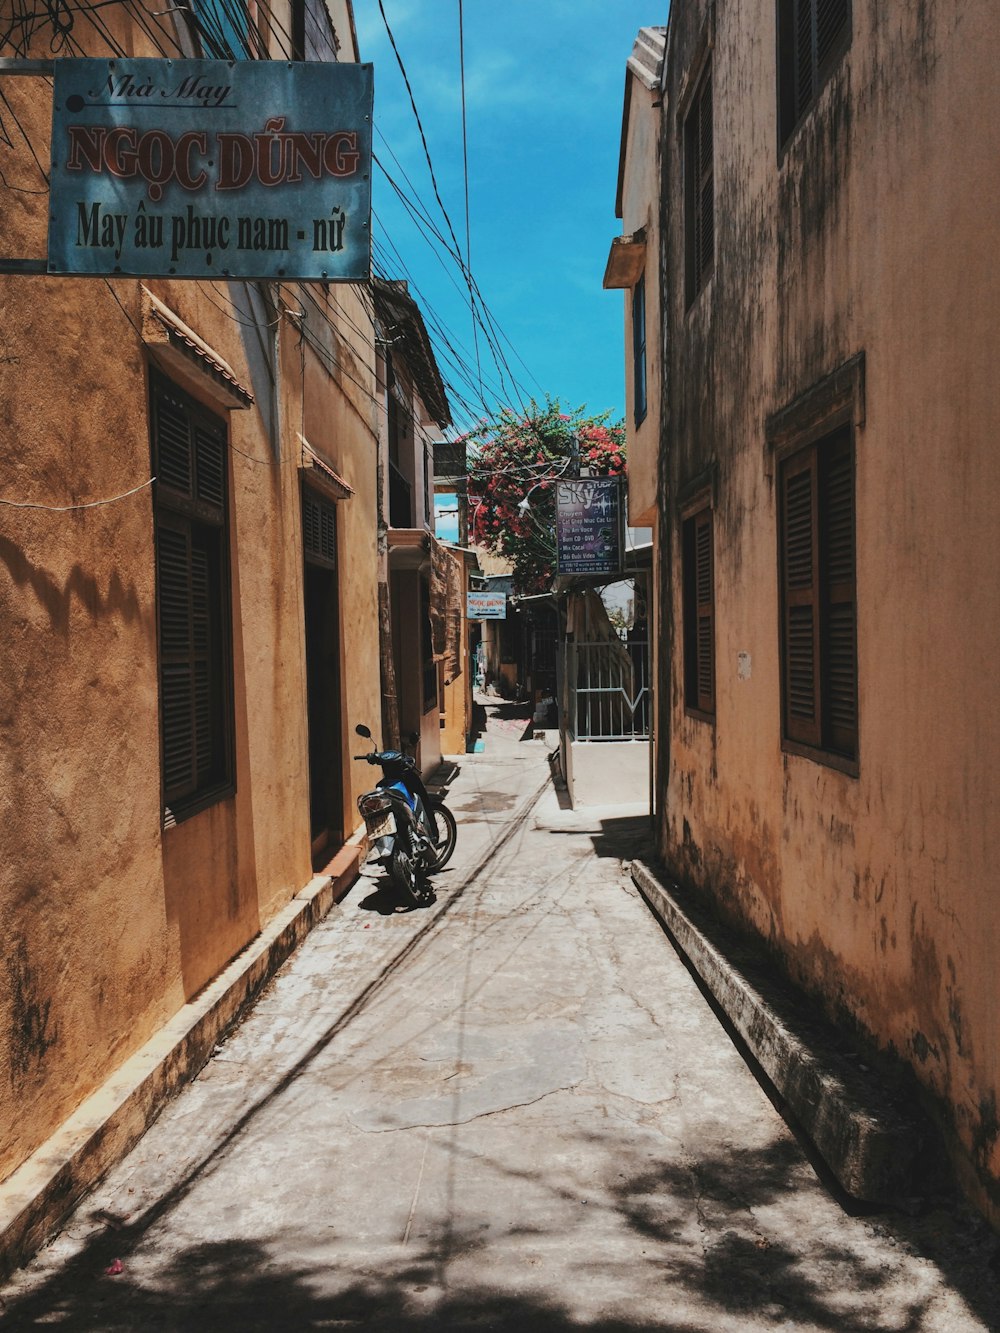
89, 504
446, 346
465, 172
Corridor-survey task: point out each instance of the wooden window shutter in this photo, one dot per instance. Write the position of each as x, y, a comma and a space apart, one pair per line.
800, 599
832, 17
812, 35
839, 647
176, 667
698, 578
319, 530
805, 61
189, 454
210, 464
705, 611
190, 658
174, 462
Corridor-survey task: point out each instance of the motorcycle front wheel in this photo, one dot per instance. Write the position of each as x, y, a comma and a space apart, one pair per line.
403, 873
446, 839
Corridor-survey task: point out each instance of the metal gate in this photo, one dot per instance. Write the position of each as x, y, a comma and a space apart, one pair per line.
609, 689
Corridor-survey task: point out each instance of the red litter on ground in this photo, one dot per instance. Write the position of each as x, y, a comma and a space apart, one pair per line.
114, 1269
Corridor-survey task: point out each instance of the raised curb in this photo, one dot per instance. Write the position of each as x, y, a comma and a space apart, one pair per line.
38, 1196
870, 1145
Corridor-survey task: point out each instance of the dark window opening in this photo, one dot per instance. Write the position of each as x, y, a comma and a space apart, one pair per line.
313, 37
639, 349
818, 610
322, 637
190, 463
699, 188
812, 37
698, 579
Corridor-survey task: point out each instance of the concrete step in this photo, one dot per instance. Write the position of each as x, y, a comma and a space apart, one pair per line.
876, 1149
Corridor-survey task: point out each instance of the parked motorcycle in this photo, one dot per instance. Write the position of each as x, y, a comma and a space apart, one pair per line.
411, 832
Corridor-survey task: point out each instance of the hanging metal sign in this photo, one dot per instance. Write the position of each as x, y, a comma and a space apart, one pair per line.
211, 168
486, 605
590, 525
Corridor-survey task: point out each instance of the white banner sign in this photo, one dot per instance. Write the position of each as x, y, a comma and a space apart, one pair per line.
487, 605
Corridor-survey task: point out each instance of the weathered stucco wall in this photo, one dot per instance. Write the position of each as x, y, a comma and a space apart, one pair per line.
111, 920
871, 234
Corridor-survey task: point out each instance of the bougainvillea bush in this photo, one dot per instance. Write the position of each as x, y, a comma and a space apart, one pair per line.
515, 458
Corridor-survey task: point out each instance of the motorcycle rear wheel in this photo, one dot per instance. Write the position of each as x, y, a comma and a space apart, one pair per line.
447, 837
403, 873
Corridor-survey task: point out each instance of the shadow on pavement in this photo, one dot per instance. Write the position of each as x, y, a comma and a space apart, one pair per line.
724, 1243
624, 838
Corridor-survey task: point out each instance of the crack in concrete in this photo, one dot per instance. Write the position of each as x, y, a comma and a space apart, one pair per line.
465, 1120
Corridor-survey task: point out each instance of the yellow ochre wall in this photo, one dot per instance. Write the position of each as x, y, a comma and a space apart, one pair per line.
110, 921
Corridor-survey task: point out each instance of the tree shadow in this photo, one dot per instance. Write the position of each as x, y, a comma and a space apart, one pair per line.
246, 1286
722, 1238
754, 1256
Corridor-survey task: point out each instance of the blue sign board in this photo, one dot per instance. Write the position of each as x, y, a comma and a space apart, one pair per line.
590, 525
212, 169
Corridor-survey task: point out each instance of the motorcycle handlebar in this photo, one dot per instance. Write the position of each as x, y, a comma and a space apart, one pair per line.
377, 757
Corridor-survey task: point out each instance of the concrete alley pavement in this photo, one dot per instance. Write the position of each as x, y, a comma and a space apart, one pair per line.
511, 1110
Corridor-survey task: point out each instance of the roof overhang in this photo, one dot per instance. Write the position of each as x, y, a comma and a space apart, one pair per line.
403, 324
626, 260
321, 475
187, 358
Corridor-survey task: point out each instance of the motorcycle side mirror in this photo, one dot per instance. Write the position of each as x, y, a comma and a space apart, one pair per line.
362, 730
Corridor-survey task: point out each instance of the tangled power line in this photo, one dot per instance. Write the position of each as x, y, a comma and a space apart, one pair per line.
226, 29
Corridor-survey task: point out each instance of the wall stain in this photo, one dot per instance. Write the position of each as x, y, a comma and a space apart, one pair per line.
31, 1034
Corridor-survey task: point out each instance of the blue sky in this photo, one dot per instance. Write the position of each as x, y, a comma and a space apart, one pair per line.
544, 82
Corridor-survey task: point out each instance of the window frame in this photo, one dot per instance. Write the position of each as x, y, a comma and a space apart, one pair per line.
792, 110
812, 534
640, 404
698, 611
203, 524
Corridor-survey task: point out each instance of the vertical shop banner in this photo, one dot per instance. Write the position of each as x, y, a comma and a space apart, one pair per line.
590, 526
212, 169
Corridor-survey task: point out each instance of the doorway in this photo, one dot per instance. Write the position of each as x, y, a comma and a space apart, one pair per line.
322, 631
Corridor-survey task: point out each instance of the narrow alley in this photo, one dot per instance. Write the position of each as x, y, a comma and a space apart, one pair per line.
511, 1110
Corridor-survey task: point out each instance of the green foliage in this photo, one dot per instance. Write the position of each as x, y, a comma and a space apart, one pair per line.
516, 458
